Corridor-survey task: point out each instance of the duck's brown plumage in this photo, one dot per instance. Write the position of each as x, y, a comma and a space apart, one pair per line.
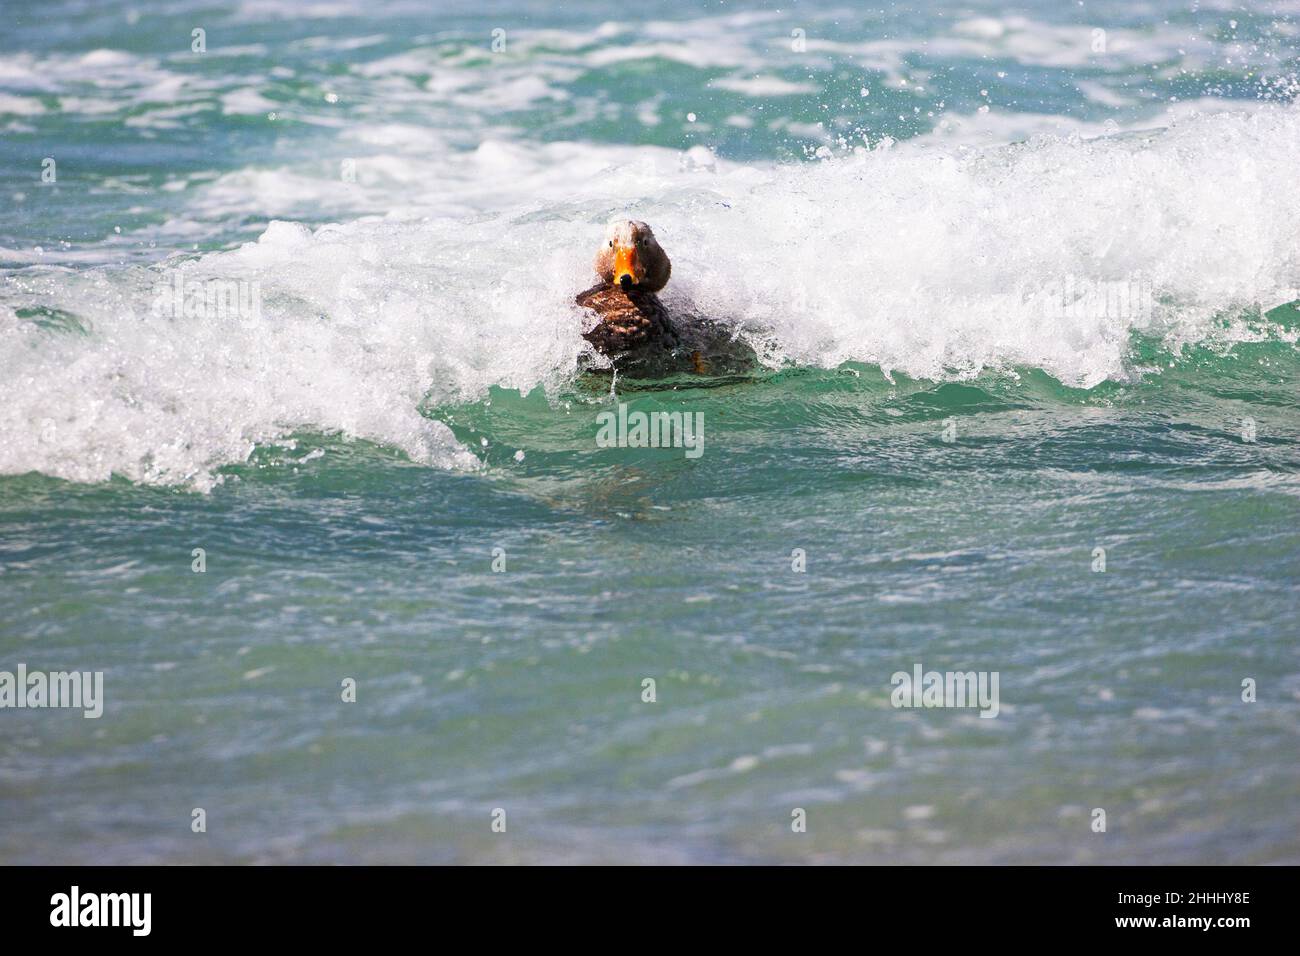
635, 328
630, 319
632, 267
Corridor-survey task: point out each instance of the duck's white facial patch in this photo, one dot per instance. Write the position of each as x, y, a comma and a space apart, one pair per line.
625, 232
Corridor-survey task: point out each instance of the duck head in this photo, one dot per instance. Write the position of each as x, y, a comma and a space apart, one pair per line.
632, 258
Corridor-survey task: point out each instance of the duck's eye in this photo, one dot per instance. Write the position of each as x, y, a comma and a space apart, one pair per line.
611, 243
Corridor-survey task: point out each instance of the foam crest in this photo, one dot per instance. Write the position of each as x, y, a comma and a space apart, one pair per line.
933, 261
938, 262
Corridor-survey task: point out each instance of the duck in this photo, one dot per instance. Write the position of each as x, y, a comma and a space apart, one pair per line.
632, 268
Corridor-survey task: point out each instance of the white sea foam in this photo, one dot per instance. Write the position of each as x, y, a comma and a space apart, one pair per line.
247, 102
20, 105
763, 86
455, 270
995, 126
165, 400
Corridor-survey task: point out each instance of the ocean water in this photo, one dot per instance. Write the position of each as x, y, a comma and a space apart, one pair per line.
1017, 280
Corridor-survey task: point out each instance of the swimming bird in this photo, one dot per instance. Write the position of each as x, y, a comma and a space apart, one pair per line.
632, 267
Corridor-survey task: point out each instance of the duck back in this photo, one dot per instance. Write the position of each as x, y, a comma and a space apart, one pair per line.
630, 320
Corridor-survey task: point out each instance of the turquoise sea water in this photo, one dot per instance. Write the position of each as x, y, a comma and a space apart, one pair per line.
913, 215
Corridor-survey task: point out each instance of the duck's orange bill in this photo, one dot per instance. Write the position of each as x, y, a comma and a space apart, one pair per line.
624, 263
